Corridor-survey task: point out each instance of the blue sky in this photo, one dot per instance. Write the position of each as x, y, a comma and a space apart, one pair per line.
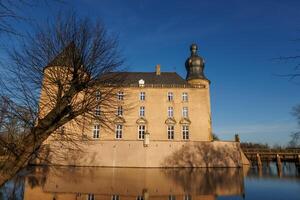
238, 40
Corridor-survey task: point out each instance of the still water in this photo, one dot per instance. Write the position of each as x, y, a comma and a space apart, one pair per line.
89, 183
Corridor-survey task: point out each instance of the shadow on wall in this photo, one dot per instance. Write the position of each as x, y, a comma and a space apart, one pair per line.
205, 154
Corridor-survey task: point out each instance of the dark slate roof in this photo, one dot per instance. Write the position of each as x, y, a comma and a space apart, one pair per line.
127, 78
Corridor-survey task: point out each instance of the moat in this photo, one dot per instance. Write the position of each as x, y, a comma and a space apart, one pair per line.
93, 183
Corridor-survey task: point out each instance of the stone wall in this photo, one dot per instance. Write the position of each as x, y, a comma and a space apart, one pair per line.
156, 154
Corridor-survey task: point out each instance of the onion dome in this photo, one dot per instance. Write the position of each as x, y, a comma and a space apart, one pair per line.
194, 65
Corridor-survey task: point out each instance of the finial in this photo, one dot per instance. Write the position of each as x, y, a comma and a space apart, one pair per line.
194, 49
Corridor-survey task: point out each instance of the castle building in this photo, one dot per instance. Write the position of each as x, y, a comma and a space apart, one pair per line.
163, 106
160, 120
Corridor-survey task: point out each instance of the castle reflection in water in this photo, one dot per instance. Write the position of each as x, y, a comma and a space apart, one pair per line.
87, 183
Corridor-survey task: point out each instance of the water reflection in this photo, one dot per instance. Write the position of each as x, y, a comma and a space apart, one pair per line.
131, 183
88, 183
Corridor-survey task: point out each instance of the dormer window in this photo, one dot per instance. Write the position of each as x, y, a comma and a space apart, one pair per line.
170, 96
141, 83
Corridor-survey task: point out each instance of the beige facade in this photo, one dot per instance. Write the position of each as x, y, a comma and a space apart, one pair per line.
159, 113
158, 119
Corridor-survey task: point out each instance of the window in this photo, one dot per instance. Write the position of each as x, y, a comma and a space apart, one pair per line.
187, 197
170, 111
97, 111
96, 131
142, 129
139, 198
170, 96
185, 112
119, 130
115, 197
98, 95
120, 111
120, 95
172, 197
185, 132
142, 96
170, 132
142, 111
184, 96
91, 197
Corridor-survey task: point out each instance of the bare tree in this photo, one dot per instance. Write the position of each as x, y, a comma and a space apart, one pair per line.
295, 137
53, 78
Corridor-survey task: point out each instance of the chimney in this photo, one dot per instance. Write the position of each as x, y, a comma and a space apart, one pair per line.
157, 70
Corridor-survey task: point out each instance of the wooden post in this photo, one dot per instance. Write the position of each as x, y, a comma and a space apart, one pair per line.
279, 165
278, 159
299, 159
259, 164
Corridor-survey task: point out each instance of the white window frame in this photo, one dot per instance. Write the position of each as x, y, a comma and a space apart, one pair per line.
119, 131
142, 111
185, 96
142, 96
170, 96
96, 131
141, 132
97, 111
185, 132
120, 96
98, 95
185, 112
115, 197
170, 132
170, 111
120, 111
